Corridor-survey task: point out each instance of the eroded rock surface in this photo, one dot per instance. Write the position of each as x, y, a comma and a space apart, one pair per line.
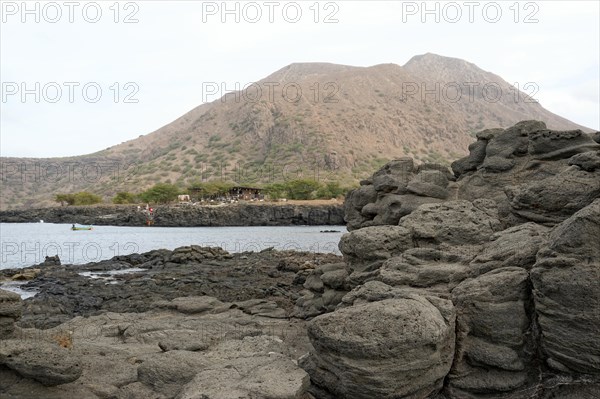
511, 249
399, 347
566, 281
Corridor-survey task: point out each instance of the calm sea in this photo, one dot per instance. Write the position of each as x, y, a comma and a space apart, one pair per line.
26, 244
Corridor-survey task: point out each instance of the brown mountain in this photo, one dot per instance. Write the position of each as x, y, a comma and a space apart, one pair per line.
319, 120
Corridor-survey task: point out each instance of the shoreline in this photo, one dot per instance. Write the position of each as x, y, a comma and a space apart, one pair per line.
230, 215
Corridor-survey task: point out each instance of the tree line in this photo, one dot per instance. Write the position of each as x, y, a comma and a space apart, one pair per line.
163, 193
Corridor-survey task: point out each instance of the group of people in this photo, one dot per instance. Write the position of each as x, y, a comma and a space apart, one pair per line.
148, 209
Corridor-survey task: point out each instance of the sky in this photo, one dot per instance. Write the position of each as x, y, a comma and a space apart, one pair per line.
80, 76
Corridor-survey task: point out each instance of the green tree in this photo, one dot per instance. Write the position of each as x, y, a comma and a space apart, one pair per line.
330, 190
124, 198
275, 190
160, 193
302, 189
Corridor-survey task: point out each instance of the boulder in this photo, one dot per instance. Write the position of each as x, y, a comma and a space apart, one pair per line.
390, 208
51, 261
355, 201
335, 279
394, 191
309, 305
386, 210
496, 164
432, 276
42, 361
429, 183
450, 223
401, 347
367, 248
325, 287
517, 163
515, 246
554, 199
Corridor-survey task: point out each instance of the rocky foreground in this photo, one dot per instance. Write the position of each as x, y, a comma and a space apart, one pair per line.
146, 333
242, 214
483, 282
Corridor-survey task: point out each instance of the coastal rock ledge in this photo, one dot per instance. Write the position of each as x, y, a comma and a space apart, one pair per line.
277, 214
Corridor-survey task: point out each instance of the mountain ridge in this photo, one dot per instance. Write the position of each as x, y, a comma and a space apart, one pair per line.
344, 121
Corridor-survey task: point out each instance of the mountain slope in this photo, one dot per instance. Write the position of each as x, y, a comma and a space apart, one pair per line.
319, 120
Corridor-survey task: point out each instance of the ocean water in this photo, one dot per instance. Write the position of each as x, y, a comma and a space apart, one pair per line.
26, 244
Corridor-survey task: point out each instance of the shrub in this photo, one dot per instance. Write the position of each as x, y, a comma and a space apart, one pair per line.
63, 199
85, 198
124, 198
302, 189
80, 198
275, 191
330, 190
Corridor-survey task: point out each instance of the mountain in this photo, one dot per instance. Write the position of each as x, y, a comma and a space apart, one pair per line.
317, 120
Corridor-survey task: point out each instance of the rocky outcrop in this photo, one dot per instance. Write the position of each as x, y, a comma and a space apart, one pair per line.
394, 191
525, 171
252, 282
185, 215
520, 168
513, 261
555, 198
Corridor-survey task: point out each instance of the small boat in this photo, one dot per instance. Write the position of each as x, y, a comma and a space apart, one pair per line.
81, 228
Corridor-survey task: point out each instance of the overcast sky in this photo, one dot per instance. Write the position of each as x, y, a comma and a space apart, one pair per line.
150, 59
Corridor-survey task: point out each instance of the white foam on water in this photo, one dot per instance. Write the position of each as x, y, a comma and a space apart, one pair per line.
16, 288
